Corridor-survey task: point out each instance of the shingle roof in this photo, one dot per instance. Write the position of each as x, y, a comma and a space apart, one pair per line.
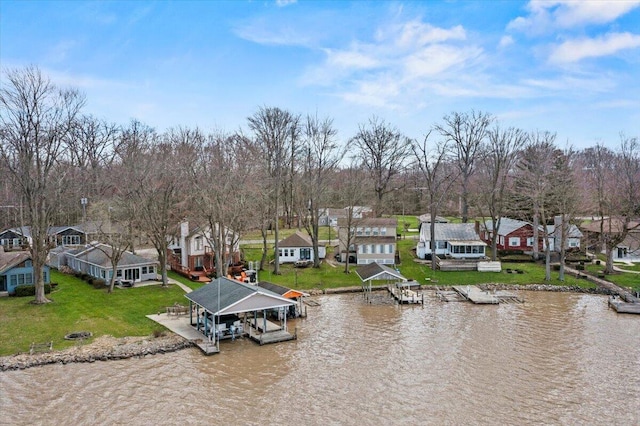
296, 240
99, 255
507, 225
375, 271
370, 221
10, 259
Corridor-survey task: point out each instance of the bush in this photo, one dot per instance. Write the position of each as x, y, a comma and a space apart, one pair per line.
30, 290
98, 283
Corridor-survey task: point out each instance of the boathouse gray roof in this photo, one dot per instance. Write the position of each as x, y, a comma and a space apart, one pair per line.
225, 296
375, 271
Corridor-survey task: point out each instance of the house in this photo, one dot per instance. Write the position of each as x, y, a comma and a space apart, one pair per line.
573, 235
454, 240
330, 216
20, 237
372, 240
360, 212
191, 252
513, 234
16, 268
628, 249
95, 260
298, 247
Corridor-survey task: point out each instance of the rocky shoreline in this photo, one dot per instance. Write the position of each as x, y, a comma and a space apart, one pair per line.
103, 348
106, 348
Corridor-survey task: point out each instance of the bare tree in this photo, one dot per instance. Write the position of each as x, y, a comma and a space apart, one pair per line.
534, 184
321, 157
466, 132
437, 176
496, 165
349, 192
272, 128
383, 151
221, 175
36, 118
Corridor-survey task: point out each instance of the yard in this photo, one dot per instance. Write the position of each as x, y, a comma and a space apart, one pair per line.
77, 306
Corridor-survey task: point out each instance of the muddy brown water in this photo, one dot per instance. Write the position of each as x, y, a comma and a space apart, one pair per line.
557, 359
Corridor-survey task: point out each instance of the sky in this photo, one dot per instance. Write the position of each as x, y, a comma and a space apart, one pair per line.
569, 67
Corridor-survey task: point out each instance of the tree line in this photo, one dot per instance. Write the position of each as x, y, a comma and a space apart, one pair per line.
281, 169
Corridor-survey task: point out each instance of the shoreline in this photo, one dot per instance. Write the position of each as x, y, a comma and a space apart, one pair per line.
106, 348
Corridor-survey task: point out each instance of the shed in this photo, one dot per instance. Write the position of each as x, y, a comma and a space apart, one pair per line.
288, 293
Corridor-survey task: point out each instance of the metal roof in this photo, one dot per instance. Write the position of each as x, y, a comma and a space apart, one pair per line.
451, 232
225, 296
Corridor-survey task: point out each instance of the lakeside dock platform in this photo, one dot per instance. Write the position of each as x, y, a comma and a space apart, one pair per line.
622, 307
476, 295
404, 295
273, 333
180, 325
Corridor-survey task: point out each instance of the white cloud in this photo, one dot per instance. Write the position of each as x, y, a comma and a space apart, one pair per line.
609, 44
546, 15
506, 41
283, 3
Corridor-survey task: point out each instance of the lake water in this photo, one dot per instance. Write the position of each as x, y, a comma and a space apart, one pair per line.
556, 359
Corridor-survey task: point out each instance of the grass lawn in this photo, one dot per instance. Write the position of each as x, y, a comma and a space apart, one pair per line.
77, 306
623, 279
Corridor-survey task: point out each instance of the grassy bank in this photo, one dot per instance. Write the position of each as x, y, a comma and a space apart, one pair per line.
77, 306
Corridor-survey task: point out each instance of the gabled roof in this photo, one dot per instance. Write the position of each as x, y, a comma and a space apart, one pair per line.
572, 232
375, 271
370, 221
452, 232
296, 240
426, 218
507, 225
10, 259
98, 254
282, 291
224, 296
614, 224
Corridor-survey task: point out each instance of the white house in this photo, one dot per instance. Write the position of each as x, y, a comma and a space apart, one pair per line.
298, 247
372, 240
455, 240
574, 235
95, 260
329, 217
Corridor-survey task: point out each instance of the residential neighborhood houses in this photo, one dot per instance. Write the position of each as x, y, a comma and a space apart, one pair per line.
298, 248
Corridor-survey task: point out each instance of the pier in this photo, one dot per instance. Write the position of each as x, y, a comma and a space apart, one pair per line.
181, 326
403, 294
475, 295
623, 307
263, 331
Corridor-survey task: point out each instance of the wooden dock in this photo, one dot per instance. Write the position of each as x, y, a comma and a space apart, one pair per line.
180, 325
273, 334
622, 307
475, 295
449, 296
404, 295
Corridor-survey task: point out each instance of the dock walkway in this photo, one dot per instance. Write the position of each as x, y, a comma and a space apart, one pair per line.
474, 294
273, 334
180, 325
405, 295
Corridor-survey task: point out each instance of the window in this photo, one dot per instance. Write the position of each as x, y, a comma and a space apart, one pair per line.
14, 280
383, 231
367, 231
391, 248
144, 269
514, 241
119, 273
151, 269
359, 232
198, 242
573, 243
373, 249
280, 252
28, 278
375, 231
529, 241
68, 240
365, 249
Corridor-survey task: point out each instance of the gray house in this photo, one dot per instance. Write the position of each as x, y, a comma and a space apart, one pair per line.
455, 240
95, 261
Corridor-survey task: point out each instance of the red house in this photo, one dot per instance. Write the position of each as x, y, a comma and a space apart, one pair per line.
512, 235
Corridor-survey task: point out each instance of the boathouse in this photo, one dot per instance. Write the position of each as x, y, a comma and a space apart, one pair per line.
225, 309
288, 293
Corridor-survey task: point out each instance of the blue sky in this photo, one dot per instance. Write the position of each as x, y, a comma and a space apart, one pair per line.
567, 67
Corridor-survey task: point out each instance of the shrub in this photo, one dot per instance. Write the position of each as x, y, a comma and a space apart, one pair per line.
98, 283
30, 290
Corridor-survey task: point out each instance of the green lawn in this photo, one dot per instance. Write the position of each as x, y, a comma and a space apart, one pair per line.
623, 279
77, 306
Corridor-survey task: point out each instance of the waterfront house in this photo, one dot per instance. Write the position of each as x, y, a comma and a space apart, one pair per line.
513, 234
191, 253
95, 260
329, 216
452, 240
373, 240
628, 249
16, 268
298, 247
58, 236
